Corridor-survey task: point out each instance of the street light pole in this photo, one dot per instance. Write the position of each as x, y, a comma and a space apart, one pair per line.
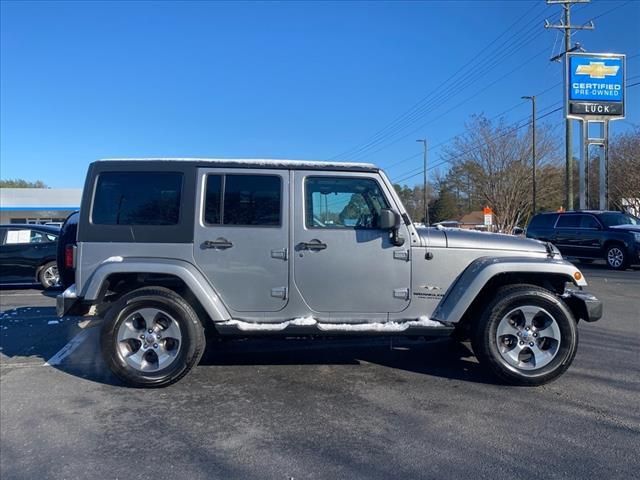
426, 205
533, 146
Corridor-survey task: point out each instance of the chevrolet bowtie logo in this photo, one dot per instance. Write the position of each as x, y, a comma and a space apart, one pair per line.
597, 70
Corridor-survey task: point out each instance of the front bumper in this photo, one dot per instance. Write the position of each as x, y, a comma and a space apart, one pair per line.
66, 301
584, 306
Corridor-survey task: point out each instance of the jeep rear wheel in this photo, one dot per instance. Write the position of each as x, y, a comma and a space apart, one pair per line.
526, 336
151, 337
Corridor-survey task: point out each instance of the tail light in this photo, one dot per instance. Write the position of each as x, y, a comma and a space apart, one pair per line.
68, 256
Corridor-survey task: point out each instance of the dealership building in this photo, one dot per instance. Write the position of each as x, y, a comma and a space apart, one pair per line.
38, 205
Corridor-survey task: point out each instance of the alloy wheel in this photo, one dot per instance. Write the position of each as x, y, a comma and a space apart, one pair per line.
615, 257
149, 339
50, 276
528, 337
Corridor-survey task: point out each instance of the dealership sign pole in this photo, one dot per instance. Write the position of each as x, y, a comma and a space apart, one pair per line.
595, 96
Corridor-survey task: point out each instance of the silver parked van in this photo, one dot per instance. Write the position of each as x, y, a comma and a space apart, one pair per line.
169, 247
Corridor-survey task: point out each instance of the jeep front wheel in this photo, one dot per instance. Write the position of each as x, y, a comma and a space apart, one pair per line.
151, 337
526, 335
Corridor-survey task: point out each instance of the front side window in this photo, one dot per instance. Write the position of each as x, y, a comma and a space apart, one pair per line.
341, 202
243, 200
137, 198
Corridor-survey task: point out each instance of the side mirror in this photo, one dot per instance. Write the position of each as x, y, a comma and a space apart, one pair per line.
390, 220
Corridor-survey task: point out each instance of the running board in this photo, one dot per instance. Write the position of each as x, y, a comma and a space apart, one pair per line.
309, 326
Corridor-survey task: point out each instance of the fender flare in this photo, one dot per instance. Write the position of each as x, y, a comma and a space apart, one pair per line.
188, 273
464, 290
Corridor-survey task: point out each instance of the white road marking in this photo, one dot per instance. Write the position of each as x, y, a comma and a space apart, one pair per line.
68, 349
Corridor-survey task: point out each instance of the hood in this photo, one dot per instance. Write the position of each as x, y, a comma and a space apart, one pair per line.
628, 228
458, 238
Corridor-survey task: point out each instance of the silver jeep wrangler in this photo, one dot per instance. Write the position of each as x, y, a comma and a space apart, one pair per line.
167, 248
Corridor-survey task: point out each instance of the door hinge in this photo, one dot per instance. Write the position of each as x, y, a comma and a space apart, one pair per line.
279, 292
280, 253
402, 255
402, 293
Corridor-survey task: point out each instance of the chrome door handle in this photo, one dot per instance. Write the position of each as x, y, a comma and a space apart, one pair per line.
312, 245
217, 244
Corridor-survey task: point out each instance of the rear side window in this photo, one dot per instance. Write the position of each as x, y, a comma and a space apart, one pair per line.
587, 221
569, 221
15, 237
137, 198
243, 200
542, 221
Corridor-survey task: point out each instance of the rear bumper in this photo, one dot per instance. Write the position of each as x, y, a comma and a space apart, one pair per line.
66, 301
584, 305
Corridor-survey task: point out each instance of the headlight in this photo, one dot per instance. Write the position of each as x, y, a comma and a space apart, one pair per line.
636, 236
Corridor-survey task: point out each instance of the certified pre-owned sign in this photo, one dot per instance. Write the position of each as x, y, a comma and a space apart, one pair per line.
595, 85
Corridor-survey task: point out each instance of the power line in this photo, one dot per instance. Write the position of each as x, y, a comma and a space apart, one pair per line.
410, 174
472, 97
539, 94
462, 155
419, 106
452, 90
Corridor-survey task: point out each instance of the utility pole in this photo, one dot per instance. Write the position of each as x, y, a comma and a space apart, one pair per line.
533, 146
565, 25
426, 205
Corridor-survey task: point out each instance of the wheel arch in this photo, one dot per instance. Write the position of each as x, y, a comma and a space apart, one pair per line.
118, 276
479, 281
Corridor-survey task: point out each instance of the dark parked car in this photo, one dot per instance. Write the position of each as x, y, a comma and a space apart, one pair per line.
589, 235
28, 254
66, 245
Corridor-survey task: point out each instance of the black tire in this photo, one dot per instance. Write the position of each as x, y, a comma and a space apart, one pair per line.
507, 299
48, 275
616, 257
192, 341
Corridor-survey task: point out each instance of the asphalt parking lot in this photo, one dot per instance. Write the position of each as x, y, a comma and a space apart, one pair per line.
317, 409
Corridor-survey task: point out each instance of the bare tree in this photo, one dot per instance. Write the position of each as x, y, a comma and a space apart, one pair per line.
495, 160
624, 170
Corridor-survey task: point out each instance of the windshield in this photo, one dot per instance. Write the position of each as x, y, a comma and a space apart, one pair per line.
617, 218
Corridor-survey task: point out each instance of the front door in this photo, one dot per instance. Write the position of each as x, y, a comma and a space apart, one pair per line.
241, 236
343, 262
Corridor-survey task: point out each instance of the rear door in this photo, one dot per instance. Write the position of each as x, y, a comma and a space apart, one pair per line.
242, 234
567, 234
342, 261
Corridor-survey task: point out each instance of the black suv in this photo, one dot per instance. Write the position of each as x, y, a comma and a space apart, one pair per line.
588, 235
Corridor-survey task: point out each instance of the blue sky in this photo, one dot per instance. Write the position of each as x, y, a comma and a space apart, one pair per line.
86, 80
